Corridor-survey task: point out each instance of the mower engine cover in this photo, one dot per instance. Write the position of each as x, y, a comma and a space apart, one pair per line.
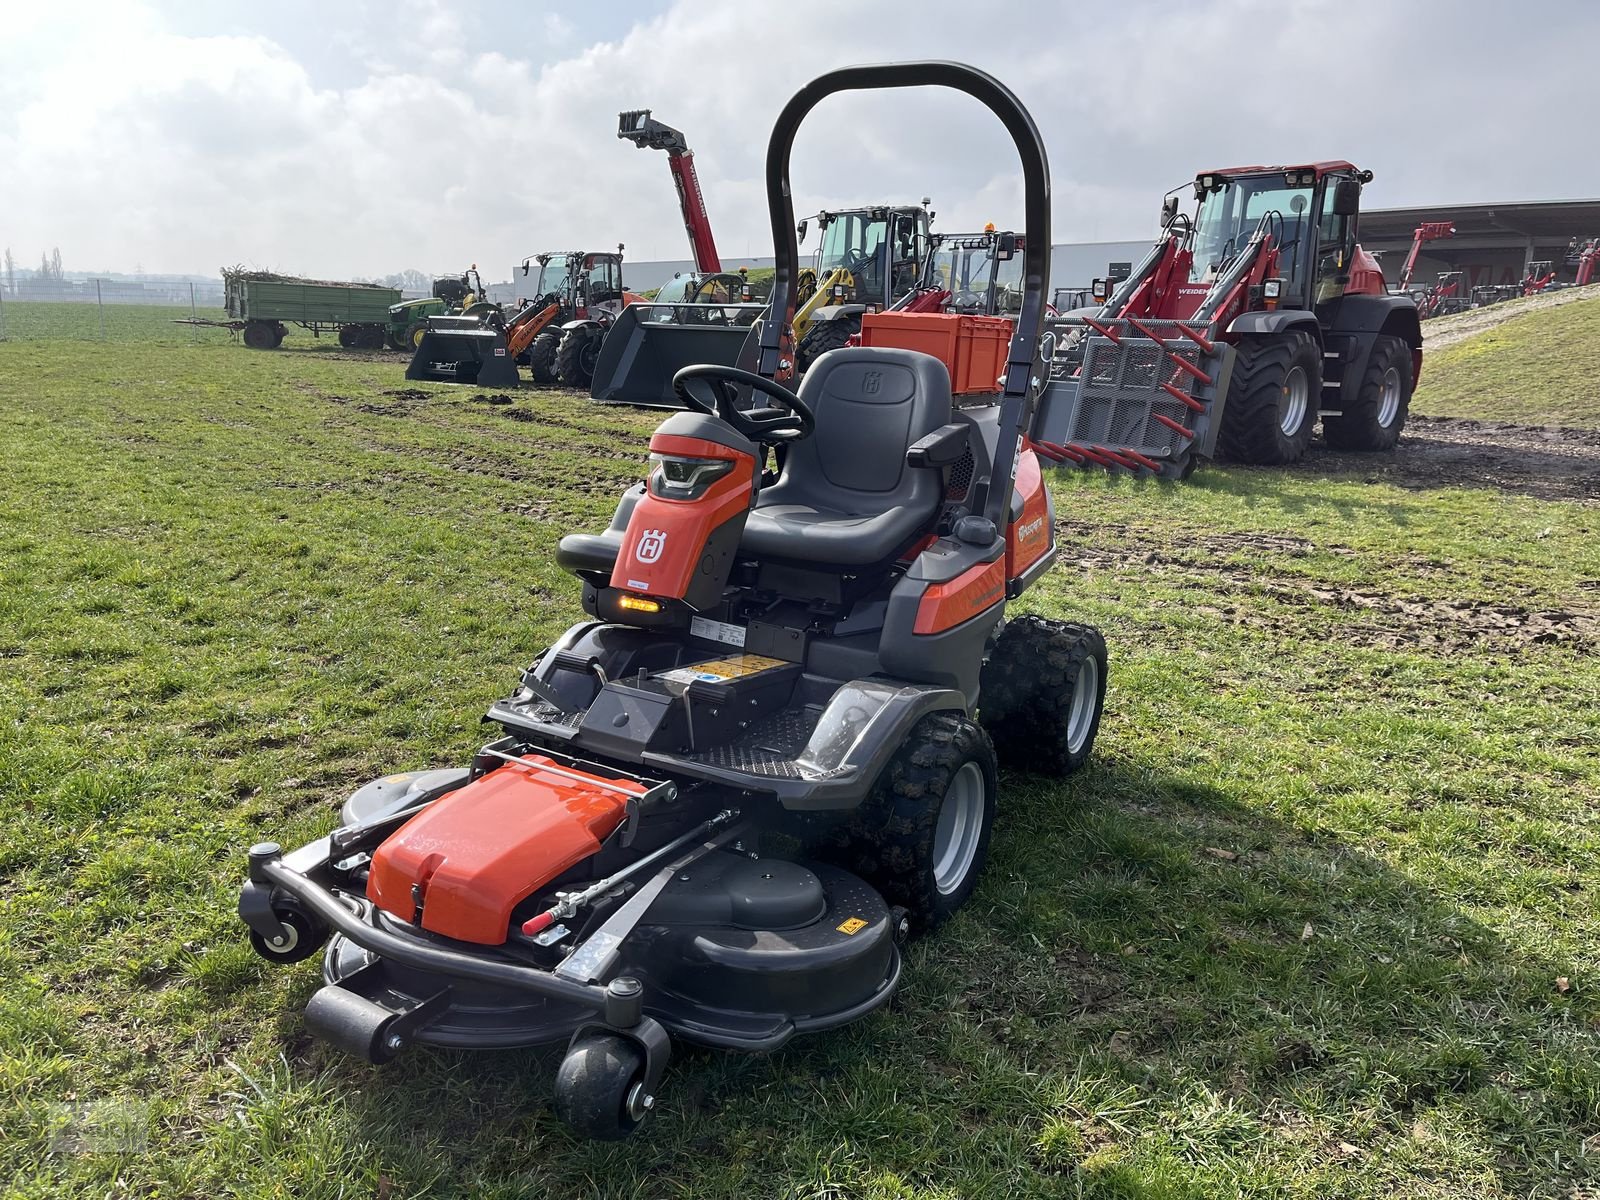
684, 531
461, 865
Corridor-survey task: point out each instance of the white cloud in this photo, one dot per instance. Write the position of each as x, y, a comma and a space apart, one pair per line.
126, 137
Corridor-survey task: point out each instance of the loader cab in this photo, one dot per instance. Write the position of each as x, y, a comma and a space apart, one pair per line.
1309, 211
981, 271
577, 279
883, 248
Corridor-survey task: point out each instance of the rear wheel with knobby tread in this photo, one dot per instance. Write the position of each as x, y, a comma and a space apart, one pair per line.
599, 1089
576, 356
1374, 416
1042, 692
922, 835
542, 356
1271, 408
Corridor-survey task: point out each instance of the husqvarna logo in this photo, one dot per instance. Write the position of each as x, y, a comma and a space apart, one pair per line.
1026, 532
651, 543
871, 382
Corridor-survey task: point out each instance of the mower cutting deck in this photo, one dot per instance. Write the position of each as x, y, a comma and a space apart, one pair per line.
808, 657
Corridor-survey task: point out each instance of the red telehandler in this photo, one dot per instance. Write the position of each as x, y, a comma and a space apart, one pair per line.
1588, 253
707, 313
1243, 324
1426, 232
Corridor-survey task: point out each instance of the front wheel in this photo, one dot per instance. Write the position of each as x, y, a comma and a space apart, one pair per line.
921, 837
1374, 416
1272, 402
577, 355
260, 335
542, 356
300, 935
824, 336
600, 1087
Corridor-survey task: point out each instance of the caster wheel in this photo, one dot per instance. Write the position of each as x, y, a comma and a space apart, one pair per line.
301, 937
600, 1087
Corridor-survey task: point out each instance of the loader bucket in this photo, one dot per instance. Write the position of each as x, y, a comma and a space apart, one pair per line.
463, 350
649, 343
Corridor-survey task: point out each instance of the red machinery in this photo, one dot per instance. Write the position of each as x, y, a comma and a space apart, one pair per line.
1243, 325
645, 132
1540, 275
1587, 254
1426, 232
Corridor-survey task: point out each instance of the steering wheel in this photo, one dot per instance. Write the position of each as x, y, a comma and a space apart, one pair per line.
855, 260
765, 426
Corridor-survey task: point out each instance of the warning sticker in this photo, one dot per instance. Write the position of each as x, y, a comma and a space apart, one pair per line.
852, 925
720, 670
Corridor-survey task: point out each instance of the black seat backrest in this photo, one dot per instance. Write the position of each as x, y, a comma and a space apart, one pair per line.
870, 404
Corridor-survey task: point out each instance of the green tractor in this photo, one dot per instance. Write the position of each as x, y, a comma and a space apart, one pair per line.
408, 320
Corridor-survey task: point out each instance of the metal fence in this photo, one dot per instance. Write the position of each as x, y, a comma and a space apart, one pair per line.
107, 310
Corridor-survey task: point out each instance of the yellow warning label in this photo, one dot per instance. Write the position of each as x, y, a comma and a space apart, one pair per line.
720, 670
852, 925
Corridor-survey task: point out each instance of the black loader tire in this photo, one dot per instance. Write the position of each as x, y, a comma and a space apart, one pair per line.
1252, 419
890, 840
542, 356
1373, 417
824, 336
575, 357
1029, 694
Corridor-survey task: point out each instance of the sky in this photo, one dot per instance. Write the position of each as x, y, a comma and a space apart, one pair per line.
357, 139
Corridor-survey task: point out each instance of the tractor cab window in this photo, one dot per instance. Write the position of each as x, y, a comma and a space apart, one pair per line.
855, 241
1335, 238
1008, 285
1229, 214
602, 276
910, 241
552, 275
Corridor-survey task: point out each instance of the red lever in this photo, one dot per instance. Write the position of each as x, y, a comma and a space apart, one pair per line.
539, 923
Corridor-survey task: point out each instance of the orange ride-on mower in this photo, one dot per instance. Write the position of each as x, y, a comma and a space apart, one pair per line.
810, 655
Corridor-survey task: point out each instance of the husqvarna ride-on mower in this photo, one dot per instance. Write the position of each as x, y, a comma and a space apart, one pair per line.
814, 650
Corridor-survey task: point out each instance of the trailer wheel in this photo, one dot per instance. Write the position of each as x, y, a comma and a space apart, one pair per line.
1272, 401
371, 337
349, 336
922, 835
1375, 415
1042, 692
542, 356
577, 355
260, 335
824, 336
278, 334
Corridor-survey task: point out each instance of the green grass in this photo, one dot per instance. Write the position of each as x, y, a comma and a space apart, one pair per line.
1296, 932
1541, 368
122, 323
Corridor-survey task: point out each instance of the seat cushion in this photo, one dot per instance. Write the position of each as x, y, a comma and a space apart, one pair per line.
846, 495
819, 535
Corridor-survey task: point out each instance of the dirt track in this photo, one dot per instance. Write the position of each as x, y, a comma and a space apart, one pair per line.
1435, 452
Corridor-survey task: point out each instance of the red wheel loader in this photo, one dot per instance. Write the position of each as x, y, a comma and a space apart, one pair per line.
1246, 322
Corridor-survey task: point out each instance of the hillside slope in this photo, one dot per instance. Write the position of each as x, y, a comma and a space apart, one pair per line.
1539, 367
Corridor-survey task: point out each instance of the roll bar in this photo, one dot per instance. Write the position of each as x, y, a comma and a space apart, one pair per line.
992, 495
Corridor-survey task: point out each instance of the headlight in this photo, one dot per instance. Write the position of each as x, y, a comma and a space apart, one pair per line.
677, 477
1272, 289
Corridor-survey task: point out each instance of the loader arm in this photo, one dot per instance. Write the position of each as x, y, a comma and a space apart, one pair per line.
645, 132
821, 296
1426, 232
527, 325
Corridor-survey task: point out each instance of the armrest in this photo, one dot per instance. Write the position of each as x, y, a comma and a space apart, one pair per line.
939, 448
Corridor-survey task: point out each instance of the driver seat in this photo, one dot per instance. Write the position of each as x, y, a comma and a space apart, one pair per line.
846, 497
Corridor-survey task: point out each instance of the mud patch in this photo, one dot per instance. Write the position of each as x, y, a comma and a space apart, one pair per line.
1454, 452
407, 394
519, 414
491, 398
1301, 607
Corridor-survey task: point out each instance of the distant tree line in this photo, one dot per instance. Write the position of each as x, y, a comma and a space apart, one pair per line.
49, 268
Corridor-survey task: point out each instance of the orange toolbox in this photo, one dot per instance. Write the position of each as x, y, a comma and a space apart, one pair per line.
972, 347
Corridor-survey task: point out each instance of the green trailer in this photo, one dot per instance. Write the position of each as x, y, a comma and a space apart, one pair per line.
262, 306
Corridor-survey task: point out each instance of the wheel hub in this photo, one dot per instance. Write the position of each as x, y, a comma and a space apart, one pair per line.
959, 829
1296, 397
1389, 398
1085, 695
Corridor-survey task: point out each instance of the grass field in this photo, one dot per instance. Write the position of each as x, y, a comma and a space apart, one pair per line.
1539, 368
147, 323
1319, 920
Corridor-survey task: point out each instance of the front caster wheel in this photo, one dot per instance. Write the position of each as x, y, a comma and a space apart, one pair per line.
600, 1087
300, 936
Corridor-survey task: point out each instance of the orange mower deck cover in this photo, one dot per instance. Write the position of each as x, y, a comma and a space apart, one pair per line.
474, 854
973, 348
